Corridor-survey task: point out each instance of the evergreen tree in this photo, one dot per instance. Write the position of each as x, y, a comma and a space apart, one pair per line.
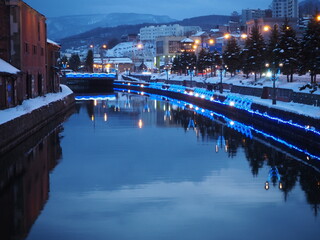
89, 61
188, 60
253, 55
215, 59
289, 47
74, 62
245, 63
176, 64
310, 50
273, 50
203, 60
231, 56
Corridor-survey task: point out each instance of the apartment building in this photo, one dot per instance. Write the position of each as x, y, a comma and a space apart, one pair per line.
150, 33
285, 8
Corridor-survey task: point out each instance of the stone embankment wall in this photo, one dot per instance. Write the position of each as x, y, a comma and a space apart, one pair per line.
286, 95
17, 130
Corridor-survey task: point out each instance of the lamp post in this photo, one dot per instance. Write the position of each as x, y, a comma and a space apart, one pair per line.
274, 77
167, 73
221, 87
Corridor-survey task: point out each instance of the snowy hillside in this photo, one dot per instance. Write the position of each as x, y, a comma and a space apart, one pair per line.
61, 27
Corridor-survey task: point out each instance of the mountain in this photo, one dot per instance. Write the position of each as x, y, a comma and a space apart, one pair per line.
105, 34
205, 22
61, 27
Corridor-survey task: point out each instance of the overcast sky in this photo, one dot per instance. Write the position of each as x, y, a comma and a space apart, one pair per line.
177, 9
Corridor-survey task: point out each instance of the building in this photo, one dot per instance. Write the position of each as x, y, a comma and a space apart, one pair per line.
285, 8
9, 76
152, 32
53, 53
249, 14
113, 64
167, 48
23, 44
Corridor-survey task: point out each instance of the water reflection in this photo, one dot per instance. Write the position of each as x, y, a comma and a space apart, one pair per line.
286, 168
24, 182
138, 167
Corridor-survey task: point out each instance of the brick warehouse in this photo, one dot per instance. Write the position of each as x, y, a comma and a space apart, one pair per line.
23, 44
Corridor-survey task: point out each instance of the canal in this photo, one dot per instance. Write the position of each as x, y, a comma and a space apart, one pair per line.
125, 166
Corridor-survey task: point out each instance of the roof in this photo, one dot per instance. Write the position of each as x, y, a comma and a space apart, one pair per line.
187, 40
7, 68
113, 60
198, 34
52, 42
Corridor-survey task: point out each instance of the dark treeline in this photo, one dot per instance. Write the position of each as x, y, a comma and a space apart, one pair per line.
284, 52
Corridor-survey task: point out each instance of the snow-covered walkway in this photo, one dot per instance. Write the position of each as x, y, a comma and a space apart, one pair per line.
32, 104
239, 80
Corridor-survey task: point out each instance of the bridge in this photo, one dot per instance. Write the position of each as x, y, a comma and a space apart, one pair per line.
89, 82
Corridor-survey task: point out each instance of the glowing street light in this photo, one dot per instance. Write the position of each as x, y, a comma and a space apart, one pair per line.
104, 46
266, 28
211, 41
244, 36
227, 36
318, 18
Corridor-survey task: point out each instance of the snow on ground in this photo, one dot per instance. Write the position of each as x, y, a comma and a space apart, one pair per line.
240, 80
32, 104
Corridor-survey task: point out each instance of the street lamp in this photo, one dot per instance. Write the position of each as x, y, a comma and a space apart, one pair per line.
274, 77
221, 87
266, 28
167, 73
227, 36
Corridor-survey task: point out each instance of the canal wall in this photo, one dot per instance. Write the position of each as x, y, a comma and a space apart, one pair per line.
285, 95
18, 129
277, 122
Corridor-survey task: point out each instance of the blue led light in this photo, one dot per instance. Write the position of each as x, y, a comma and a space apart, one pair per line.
240, 127
243, 103
97, 97
91, 75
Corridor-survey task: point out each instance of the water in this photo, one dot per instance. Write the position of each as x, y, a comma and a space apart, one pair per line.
132, 167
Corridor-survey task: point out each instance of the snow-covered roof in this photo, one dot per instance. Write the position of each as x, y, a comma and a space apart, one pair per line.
198, 34
187, 40
119, 60
214, 30
113, 60
7, 68
52, 42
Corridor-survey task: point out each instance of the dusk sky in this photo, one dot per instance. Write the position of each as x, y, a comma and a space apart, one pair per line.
177, 9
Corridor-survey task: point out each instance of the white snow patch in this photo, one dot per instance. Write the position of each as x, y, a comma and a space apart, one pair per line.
7, 68
33, 104
239, 80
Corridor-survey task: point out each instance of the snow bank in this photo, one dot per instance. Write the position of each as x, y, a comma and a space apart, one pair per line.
32, 104
240, 80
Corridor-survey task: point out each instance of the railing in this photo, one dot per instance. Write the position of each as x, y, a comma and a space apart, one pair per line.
91, 75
